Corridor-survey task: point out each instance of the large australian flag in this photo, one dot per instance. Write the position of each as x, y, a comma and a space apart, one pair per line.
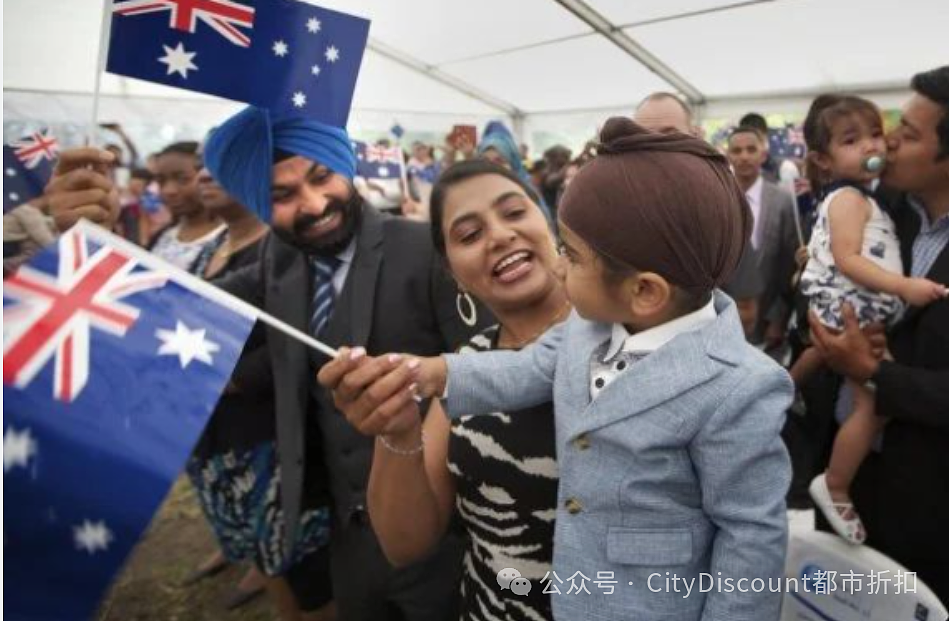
112, 364
288, 56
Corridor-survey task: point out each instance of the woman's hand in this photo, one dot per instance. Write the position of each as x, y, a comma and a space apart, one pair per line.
378, 395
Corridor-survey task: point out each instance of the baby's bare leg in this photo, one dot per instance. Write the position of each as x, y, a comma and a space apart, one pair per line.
854, 442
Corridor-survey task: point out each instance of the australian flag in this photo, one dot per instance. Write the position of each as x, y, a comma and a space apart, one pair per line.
27, 166
112, 363
787, 142
377, 161
287, 56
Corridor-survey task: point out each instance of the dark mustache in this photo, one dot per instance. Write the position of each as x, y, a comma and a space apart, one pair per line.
306, 220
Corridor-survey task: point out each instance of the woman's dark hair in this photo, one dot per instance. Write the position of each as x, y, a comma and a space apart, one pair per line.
824, 113
462, 171
934, 85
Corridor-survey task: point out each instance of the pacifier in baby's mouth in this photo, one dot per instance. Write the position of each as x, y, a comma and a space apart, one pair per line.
874, 163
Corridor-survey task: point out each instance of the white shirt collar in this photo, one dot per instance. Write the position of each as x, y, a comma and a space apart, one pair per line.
754, 192
652, 339
346, 256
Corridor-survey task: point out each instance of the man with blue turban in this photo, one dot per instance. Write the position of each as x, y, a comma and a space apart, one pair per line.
348, 275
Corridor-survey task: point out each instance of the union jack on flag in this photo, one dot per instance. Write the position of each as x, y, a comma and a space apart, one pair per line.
383, 155
224, 16
36, 148
57, 313
377, 161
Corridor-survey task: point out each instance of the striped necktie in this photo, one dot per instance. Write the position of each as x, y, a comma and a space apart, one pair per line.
323, 293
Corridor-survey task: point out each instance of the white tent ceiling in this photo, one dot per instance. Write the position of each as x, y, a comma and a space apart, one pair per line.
435, 62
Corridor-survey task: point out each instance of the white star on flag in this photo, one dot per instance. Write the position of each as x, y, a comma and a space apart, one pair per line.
11, 172
313, 25
315, 70
383, 171
92, 537
18, 448
187, 344
299, 99
281, 49
332, 54
179, 60
14, 196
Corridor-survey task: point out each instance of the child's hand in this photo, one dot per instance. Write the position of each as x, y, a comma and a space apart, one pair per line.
431, 377
922, 291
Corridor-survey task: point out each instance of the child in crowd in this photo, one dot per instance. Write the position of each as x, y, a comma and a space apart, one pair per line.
668, 422
854, 258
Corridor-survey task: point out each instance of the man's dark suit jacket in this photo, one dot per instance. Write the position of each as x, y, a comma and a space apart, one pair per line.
902, 493
397, 298
775, 254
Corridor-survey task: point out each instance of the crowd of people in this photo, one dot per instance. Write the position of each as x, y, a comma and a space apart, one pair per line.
659, 349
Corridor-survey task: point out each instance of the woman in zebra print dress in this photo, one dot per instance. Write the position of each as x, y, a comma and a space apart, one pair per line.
505, 474
494, 477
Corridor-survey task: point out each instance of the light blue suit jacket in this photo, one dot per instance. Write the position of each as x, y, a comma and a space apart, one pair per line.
678, 466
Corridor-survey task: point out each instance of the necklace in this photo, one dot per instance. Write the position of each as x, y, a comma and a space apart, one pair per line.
561, 313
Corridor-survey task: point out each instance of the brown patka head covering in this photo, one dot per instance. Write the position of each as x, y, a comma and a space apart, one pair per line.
663, 203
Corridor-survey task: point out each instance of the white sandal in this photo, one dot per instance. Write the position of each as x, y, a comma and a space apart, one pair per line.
851, 530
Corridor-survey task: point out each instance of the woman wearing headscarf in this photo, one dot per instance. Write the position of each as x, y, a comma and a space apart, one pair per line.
497, 145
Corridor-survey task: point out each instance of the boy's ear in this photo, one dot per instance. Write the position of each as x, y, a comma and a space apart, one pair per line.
650, 294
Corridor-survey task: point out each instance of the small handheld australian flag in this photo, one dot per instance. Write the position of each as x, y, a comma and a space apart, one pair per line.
288, 56
27, 166
377, 161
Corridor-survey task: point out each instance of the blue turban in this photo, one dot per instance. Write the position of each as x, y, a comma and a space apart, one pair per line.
240, 153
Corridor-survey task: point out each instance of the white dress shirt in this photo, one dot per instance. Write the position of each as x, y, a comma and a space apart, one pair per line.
754, 201
641, 344
346, 260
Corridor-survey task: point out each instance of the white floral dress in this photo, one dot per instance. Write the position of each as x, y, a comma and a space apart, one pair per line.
827, 288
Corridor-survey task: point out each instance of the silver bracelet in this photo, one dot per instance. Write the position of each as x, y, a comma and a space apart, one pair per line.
402, 452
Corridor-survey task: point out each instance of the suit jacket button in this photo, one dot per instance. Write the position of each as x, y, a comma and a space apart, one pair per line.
573, 506
582, 442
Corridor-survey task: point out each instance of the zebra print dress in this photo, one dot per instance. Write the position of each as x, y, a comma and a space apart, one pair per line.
505, 471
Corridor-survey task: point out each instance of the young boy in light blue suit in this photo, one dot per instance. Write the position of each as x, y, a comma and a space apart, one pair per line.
673, 471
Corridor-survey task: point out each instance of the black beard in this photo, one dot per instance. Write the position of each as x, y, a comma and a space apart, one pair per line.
333, 242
